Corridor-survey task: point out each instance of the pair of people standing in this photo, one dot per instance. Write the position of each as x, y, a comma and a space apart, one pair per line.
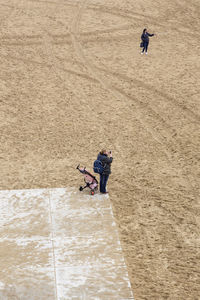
106, 159
145, 40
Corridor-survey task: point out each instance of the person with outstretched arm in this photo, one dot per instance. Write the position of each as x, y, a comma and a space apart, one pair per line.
145, 40
106, 158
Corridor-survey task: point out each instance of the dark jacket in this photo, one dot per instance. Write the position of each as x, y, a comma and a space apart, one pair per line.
106, 161
145, 37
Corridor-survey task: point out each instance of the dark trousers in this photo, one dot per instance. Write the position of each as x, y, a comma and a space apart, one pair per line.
103, 182
146, 44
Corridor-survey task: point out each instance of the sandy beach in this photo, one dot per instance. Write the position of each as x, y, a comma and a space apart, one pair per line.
72, 82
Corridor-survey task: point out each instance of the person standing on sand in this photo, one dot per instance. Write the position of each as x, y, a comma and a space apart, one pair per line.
106, 159
145, 40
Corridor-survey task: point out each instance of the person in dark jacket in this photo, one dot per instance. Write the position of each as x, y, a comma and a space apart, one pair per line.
145, 40
106, 159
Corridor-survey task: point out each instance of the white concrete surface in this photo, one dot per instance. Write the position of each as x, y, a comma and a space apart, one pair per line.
60, 244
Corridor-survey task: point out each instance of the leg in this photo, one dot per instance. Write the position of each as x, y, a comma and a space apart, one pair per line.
105, 180
101, 183
146, 47
143, 48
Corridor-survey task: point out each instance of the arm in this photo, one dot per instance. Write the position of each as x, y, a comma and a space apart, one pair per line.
149, 34
108, 160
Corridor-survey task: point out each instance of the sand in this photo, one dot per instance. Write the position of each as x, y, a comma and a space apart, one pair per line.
73, 81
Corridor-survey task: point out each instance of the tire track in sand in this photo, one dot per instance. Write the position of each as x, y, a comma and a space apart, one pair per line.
185, 110
50, 51
75, 35
118, 93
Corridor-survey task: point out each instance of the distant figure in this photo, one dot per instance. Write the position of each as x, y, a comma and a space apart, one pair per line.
106, 159
145, 40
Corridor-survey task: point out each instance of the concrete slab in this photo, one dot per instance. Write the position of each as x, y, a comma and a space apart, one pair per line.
60, 244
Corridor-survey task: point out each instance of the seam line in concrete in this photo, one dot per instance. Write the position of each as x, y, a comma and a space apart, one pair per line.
52, 242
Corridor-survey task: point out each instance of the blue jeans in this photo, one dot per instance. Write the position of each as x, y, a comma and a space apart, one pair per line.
103, 182
146, 44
